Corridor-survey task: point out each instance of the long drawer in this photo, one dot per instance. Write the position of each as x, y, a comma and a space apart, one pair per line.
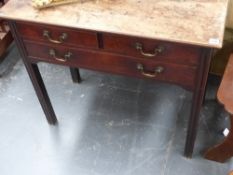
57, 35
175, 73
152, 49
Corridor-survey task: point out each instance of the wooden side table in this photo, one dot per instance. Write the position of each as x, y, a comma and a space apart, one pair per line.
224, 151
132, 38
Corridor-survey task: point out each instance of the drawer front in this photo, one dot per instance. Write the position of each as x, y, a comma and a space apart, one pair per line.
152, 49
57, 35
179, 74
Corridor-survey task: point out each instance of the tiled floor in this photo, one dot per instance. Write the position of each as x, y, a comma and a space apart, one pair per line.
108, 125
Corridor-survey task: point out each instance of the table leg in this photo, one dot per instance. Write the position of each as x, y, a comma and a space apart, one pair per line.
224, 151
193, 123
75, 75
36, 79
41, 92
197, 101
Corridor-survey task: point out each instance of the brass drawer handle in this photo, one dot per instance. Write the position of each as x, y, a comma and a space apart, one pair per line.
157, 70
159, 49
67, 56
61, 39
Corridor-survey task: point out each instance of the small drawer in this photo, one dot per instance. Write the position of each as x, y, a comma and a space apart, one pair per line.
175, 73
57, 35
152, 49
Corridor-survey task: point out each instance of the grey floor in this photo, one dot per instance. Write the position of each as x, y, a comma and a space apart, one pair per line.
108, 125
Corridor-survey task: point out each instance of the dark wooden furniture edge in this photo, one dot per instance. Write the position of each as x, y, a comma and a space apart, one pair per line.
224, 150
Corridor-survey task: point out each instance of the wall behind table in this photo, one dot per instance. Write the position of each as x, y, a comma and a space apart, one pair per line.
229, 23
220, 58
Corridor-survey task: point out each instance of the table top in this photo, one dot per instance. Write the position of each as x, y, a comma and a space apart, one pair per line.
196, 22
